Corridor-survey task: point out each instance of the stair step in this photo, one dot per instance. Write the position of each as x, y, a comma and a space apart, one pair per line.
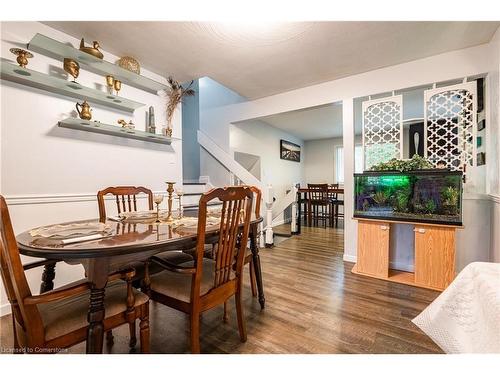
282, 234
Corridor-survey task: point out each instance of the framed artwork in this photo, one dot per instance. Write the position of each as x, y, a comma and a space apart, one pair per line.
289, 151
481, 158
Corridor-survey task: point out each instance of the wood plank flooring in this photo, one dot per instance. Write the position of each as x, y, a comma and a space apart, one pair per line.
314, 304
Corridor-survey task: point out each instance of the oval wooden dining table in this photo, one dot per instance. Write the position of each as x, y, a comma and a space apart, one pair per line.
126, 244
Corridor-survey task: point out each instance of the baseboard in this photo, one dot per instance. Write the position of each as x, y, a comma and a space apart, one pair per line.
5, 309
282, 221
392, 265
350, 258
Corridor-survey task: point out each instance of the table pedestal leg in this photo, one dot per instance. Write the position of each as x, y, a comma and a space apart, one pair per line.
48, 275
256, 263
97, 275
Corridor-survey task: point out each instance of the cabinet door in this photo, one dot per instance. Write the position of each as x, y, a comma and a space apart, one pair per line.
434, 256
373, 248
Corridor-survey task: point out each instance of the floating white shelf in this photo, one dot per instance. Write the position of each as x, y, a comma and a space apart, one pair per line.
53, 48
117, 131
28, 77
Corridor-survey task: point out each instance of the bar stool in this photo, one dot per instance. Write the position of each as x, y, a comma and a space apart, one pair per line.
318, 203
335, 203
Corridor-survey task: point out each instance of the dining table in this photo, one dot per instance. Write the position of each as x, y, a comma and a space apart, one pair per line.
302, 193
124, 244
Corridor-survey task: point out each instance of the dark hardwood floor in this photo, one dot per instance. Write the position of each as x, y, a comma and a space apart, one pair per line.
314, 304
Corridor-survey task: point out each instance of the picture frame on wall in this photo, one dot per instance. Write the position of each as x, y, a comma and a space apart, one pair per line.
289, 151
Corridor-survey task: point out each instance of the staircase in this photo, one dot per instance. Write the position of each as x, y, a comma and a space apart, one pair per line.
241, 176
192, 193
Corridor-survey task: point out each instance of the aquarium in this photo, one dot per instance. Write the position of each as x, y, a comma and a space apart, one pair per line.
428, 196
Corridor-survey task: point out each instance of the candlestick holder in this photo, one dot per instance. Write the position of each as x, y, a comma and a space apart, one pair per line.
170, 190
158, 199
180, 193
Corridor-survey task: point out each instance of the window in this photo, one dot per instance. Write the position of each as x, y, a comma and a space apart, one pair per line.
339, 162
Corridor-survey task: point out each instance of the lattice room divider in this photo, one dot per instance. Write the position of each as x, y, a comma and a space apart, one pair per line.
382, 130
451, 125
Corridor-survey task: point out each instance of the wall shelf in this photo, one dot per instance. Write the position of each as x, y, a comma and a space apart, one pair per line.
53, 48
28, 77
117, 131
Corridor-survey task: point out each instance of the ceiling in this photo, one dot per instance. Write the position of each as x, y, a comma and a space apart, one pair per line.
262, 59
310, 123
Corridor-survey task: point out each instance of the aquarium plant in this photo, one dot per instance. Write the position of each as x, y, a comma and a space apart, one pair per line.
402, 198
449, 198
430, 206
380, 198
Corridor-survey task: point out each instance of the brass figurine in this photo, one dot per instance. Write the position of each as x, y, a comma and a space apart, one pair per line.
170, 190
167, 132
118, 86
94, 51
130, 64
110, 81
124, 124
22, 56
72, 68
86, 112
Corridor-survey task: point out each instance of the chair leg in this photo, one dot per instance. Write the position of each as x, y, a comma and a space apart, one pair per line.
110, 340
241, 319
17, 347
225, 318
133, 338
253, 283
195, 332
144, 330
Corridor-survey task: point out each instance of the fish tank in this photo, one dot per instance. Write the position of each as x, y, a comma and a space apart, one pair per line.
427, 196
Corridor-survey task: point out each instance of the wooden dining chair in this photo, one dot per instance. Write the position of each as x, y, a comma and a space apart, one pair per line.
57, 319
318, 203
335, 204
204, 283
126, 201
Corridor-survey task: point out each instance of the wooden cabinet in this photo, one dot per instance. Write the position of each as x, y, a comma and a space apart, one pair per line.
434, 254
373, 248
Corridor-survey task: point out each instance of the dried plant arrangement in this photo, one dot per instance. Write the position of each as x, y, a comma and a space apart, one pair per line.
175, 94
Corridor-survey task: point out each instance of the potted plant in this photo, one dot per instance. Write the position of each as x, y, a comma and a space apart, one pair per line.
175, 94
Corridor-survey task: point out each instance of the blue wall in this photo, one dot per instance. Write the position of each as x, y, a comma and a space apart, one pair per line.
190, 126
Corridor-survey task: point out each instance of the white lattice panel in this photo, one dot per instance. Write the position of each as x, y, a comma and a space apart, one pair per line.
450, 131
382, 130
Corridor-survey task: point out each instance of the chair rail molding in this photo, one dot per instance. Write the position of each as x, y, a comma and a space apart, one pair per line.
19, 200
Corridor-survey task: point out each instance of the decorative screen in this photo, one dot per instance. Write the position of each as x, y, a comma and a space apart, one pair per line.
450, 114
382, 130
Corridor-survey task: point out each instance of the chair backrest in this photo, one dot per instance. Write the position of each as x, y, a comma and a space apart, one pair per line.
333, 195
125, 198
14, 281
234, 227
257, 198
318, 192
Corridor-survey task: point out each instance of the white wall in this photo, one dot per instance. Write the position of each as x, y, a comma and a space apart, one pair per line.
49, 174
259, 138
493, 147
320, 164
